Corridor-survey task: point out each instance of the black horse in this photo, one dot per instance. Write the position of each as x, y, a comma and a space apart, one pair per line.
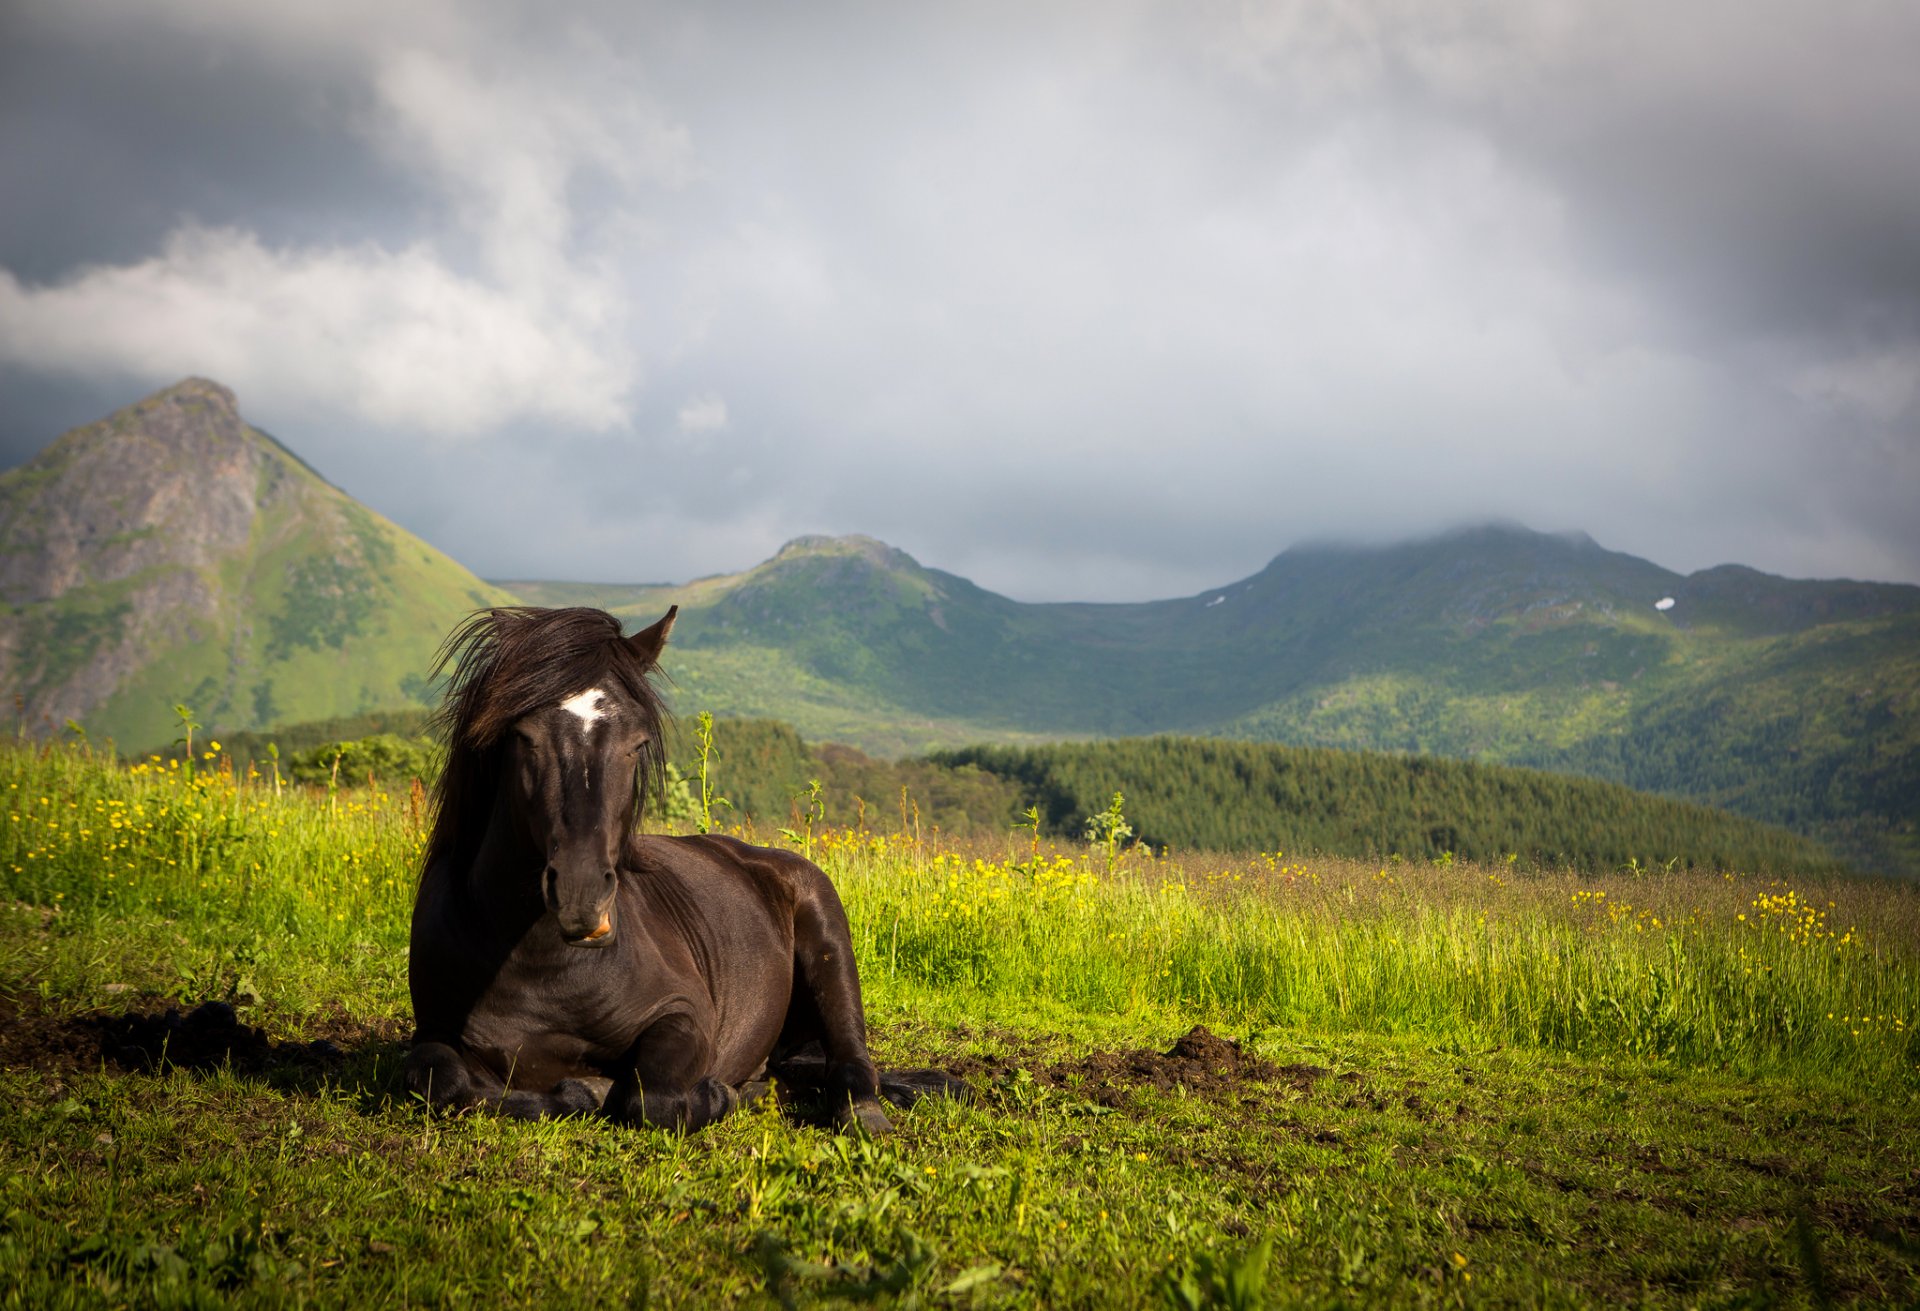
562, 963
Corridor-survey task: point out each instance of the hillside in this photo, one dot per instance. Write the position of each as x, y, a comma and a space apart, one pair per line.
171, 553
1789, 701
1206, 794
1188, 794
1209, 795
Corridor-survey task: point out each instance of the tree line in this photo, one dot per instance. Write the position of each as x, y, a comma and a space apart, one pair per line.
1182, 792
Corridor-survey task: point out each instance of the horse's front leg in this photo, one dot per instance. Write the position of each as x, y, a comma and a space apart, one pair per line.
446, 1079
440, 1075
665, 1080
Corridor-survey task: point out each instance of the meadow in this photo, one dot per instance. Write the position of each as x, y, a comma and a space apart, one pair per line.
1453, 1083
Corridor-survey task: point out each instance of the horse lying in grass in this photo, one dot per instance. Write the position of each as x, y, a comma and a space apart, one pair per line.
561, 963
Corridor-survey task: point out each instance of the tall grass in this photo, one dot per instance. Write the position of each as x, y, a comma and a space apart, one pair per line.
143, 877
1722, 969
139, 878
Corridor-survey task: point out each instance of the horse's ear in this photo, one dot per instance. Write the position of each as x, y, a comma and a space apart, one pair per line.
648, 643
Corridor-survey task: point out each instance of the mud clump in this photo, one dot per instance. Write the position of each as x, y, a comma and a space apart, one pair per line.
1200, 1061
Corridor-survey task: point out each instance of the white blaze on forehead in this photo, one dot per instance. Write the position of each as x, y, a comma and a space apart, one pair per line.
586, 705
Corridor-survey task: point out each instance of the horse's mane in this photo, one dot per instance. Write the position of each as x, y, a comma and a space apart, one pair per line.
508, 662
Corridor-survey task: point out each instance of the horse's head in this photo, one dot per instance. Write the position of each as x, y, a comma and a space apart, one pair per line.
551, 718
576, 772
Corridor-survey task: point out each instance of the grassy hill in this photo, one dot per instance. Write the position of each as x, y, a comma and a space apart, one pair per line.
1789, 701
170, 553
1211, 795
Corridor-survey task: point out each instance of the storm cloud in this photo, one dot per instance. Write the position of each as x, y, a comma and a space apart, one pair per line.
1082, 301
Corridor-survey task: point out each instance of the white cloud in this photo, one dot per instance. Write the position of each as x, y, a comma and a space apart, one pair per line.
507, 141
503, 304
1145, 291
394, 337
703, 414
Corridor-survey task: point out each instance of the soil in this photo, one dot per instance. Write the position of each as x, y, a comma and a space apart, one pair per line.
212, 1035
208, 1036
29, 1040
1200, 1061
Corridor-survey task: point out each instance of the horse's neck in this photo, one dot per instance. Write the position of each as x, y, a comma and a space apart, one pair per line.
504, 878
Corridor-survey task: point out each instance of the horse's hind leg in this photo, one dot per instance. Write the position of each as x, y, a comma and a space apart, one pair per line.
823, 956
569, 1097
905, 1087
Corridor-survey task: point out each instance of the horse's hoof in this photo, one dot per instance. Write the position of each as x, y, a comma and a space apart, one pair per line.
599, 1086
865, 1117
578, 1096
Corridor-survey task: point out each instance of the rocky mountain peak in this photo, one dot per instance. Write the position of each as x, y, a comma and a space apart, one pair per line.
191, 394
176, 478
172, 553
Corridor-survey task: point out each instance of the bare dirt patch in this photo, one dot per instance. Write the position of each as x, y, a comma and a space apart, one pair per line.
212, 1035
209, 1036
1200, 1061
29, 1040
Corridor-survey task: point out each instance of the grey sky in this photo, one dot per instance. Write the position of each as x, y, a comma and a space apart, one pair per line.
1105, 300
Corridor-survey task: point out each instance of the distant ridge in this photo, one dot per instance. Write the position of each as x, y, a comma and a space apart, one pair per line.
171, 553
1790, 701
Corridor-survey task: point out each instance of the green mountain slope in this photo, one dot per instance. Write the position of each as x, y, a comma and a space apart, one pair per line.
170, 553
1788, 701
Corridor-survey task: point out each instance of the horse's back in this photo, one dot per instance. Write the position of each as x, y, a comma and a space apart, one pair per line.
709, 862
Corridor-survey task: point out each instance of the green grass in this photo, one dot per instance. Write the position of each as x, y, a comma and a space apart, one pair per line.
1522, 1091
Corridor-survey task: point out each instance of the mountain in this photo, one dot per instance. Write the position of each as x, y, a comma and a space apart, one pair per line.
171, 553
1789, 701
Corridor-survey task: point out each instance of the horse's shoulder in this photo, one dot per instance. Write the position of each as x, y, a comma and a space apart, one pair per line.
704, 874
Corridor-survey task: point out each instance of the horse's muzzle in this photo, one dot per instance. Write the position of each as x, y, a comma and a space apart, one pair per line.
582, 902
600, 935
